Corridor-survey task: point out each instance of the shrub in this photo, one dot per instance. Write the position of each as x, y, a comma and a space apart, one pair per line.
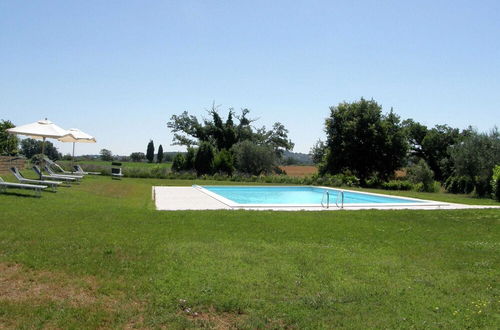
204, 159
179, 163
495, 183
398, 185
459, 185
421, 173
223, 162
373, 182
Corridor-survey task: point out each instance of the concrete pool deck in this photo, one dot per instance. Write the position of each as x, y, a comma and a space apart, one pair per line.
190, 198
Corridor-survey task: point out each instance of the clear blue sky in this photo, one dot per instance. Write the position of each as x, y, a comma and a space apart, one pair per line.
119, 69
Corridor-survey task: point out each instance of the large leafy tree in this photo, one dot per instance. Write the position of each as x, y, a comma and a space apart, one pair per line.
475, 157
434, 149
363, 140
8, 142
150, 151
189, 131
415, 133
32, 147
254, 159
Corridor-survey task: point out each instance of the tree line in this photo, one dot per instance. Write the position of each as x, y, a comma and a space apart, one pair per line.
363, 141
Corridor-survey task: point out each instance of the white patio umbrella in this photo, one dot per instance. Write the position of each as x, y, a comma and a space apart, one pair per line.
41, 129
75, 135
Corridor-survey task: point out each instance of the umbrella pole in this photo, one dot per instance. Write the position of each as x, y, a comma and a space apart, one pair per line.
43, 160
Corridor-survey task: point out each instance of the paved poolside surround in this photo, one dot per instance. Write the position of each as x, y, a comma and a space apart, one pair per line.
193, 198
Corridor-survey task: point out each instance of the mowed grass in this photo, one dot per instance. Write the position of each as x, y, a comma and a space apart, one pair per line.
99, 255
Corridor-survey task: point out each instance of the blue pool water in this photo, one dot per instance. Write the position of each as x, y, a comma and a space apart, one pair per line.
297, 195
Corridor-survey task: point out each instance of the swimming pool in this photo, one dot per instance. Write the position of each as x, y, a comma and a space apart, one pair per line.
308, 196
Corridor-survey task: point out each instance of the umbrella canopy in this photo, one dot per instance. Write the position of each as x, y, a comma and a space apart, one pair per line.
75, 135
39, 130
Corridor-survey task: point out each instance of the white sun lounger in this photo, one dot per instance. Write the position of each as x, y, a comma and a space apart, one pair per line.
59, 168
79, 170
52, 177
4, 185
22, 179
49, 170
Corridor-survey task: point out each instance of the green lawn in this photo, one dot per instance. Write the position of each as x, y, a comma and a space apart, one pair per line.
99, 255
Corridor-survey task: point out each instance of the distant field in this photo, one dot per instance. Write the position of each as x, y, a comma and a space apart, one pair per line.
124, 164
299, 170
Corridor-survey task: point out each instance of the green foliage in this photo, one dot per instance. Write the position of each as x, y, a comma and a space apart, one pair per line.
189, 131
179, 163
475, 158
159, 157
67, 157
150, 152
362, 140
223, 162
8, 142
190, 156
254, 159
415, 134
398, 185
106, 155
421, 173
435, 149
204, 159
137, 156
495, 183
317, 152
31, 147
459, 185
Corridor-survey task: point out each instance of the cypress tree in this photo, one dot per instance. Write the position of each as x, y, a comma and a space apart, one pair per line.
150, 153
160, 154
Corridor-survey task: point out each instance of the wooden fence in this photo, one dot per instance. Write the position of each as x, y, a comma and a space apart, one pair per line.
7, 162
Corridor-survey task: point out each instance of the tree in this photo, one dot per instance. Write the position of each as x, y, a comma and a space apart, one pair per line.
32, 147
159, 157
415, 134
204, 159
254, 159
362, 140
106, 155
223, 162
421, 173
137, 156
8, 142
435, 146
475, 157
150, 153
317, 152
179, 163
190, 131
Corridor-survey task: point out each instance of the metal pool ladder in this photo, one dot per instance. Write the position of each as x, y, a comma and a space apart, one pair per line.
341, 193
327, 194
327, 203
